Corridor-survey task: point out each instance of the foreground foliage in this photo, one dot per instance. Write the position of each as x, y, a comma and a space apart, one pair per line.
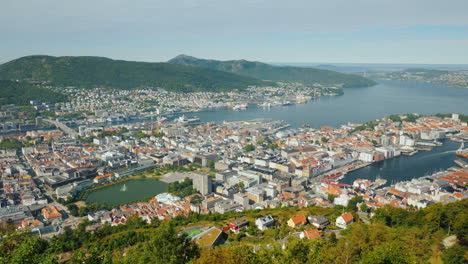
394, 236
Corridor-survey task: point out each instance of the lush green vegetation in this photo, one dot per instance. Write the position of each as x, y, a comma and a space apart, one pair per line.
20, 93
97, 71
11, 143
394, 236
395, 118
366, 126
181, 189
463, 118
249, 148
411, 118
265, 71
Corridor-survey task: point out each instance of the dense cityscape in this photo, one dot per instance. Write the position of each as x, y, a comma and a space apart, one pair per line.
233, 132
49, 167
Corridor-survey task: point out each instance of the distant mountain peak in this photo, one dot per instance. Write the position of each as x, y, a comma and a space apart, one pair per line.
183, 57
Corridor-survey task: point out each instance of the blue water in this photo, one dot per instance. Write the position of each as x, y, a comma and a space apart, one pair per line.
405, 168
357, 105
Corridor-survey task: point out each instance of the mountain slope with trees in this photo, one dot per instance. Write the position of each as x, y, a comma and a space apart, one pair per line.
394, 236
90, 72
265, 71
20, 93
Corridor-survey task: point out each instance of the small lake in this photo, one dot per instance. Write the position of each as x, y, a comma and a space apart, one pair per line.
134, 190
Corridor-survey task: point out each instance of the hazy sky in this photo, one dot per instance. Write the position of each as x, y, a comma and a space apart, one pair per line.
368, 31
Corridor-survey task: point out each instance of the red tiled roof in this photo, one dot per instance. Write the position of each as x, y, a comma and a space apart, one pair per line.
312, 233
348, 217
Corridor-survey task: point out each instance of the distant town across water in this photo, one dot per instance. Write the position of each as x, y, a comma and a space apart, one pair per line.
356, 105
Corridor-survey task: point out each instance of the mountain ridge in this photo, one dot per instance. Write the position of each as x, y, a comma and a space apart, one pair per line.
266, 71
93, 71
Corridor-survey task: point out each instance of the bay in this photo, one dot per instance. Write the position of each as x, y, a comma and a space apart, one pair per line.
356, 105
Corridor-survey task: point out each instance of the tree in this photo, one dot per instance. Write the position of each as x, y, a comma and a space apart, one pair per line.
390, 252
122, 131
32, 251
73, 209
364, 207
331, 198
333, 238
411, 118
324, 139
196, 199
249, 148
211, 164
395, 118
164, 247
352, 204
455, 255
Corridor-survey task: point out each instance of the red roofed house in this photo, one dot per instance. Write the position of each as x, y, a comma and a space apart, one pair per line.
310, 234
297, 221
51, 213
102, 178
344, 220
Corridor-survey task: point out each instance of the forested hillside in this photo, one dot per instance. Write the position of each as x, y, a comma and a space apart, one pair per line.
393, 236
265, 71
21, 93
90, 72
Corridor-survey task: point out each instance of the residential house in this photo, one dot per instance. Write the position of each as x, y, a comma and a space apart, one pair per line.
297, 221
319, 221
237, 224
264, 222
344, 220
310, 234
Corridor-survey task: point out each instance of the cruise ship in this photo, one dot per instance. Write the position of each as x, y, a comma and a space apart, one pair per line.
240, 107
184, 120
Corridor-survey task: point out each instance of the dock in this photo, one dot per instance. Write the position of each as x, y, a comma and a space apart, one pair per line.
461, 163
360, 166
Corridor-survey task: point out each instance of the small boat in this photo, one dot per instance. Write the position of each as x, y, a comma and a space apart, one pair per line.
124, 188
335, 175
462, 152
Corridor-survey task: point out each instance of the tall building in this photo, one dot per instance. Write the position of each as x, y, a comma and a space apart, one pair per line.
202, 183
82, 131
38, 121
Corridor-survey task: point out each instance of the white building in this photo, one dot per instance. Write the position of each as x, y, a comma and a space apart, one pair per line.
264, 222
344, 220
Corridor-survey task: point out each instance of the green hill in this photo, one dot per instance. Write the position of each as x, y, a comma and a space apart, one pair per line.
89, 72
394, 235
18, 93
265, 71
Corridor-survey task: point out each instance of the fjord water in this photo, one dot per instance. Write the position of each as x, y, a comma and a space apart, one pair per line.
404, 168
357, 105
366, 104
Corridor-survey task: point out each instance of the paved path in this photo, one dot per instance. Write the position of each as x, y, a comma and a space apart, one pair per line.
175, 176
